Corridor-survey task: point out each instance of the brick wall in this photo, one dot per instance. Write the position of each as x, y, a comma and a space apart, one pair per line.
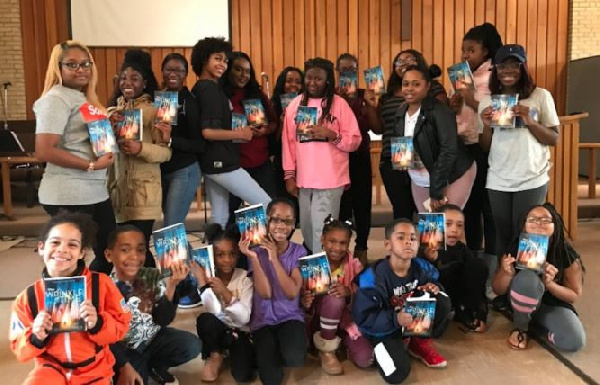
585, 29
11, 59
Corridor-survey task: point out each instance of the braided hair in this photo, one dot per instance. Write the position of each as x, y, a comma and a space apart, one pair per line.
327, 100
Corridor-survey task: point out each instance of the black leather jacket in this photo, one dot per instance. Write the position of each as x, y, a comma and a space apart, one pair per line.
436, 141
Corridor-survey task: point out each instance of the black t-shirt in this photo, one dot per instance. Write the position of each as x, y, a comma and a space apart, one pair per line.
220, 156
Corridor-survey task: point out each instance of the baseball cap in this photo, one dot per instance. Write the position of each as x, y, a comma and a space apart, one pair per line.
510, 50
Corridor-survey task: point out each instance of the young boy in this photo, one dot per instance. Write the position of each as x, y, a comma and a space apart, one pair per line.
378, 305
75, 357
462, 274
150, 348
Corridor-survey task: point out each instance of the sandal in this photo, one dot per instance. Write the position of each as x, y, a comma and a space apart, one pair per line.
522, 339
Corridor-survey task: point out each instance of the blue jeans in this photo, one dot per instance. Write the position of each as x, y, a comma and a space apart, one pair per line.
179, 188
238, 183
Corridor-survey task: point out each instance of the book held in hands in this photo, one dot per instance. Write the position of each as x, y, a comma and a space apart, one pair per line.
461, 76
170, 245
204, 257
349, 82
422, 310
102, 137
166, 103
533, 249
375, 80
63, 298
255, 112
238, 121
432, 230
305, 118
402, 152
502, 113
316, 273
131, 127
252, 223
285, 99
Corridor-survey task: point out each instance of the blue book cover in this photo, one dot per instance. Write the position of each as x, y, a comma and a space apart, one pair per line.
238, 121
502, 113
432, 230
348, 82
205, 258
533, 249
255, 112
102, 137
252, 223
461, 76
306, 117
166, 103
533, 113
285, 99
402, 152
375, 80
422, 310
170, 245
131, 127
62, 300
316, 273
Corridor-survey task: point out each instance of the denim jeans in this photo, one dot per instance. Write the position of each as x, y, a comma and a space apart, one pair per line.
238, 183
179, 188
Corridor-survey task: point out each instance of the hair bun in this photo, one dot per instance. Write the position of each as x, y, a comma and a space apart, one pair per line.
138, 56
435, 71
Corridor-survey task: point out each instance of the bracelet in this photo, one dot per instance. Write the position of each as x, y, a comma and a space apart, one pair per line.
90, 166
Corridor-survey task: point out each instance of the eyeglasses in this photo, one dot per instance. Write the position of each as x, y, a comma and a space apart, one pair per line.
540, 220
508, 66
74, 66
278, 221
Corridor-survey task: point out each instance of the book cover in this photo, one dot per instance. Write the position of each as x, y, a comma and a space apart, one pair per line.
432, 230
102, 137
461, 76
285, 99
349, 82
533, 113
205, 258
306, 117
62, 299
131, 127
402, 152
532, 252
238, 121
166, 103
375, 80
502, 114
170, 245
252, 222
255, 112
316, 273
422, 310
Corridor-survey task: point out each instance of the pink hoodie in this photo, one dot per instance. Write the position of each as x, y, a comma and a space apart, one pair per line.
467, 119
320, 165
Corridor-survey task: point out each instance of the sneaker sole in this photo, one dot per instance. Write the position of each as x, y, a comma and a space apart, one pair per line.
191, 306
440, 365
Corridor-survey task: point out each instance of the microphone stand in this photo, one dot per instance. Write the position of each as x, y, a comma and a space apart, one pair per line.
5, 85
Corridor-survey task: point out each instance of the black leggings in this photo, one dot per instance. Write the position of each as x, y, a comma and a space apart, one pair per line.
397, 188
358, 198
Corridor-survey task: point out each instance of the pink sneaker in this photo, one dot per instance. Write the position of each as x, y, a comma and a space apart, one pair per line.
422, 348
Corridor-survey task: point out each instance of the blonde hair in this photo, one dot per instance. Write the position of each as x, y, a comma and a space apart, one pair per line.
54, 77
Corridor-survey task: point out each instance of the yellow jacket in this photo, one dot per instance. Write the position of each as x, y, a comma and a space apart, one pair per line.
134, 181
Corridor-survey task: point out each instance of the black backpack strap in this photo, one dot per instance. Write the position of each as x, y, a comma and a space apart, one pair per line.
32, 301
95, 290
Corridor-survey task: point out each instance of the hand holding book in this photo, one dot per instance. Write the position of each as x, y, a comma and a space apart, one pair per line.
200, 273
507, 263
322, 132
523, 113
404, 319
267, 243
88, 313
307, 299
42, 325
165, 130
429, 287
130, 147
339, 290
550, 272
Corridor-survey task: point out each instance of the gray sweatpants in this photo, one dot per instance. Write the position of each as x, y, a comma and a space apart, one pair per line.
564, 327
315, 206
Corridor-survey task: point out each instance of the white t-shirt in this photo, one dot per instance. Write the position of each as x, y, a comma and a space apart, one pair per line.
419, 177
517, 160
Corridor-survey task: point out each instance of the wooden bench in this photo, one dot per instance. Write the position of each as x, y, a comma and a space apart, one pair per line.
591, 147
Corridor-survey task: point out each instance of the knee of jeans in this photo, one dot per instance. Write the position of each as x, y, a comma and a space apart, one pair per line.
362, 356
205, 321
443, 304
294, 358
193, 348
570, 340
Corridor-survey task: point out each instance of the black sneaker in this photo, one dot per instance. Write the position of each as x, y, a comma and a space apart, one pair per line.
162, 377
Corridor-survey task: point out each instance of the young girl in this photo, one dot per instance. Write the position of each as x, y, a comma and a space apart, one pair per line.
227, 300
239, 84
75, 357
478, 49
519, 158
220, 163
328, 317
443, 171
382, 119
317, 171
74, 179
545, 301
135, 181
277, 321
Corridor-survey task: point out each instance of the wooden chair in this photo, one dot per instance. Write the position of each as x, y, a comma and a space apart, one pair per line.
592, 171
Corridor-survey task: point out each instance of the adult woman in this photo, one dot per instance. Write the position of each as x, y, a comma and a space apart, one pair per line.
181, 174
220, 162
545, 300
382, 118
74, 179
